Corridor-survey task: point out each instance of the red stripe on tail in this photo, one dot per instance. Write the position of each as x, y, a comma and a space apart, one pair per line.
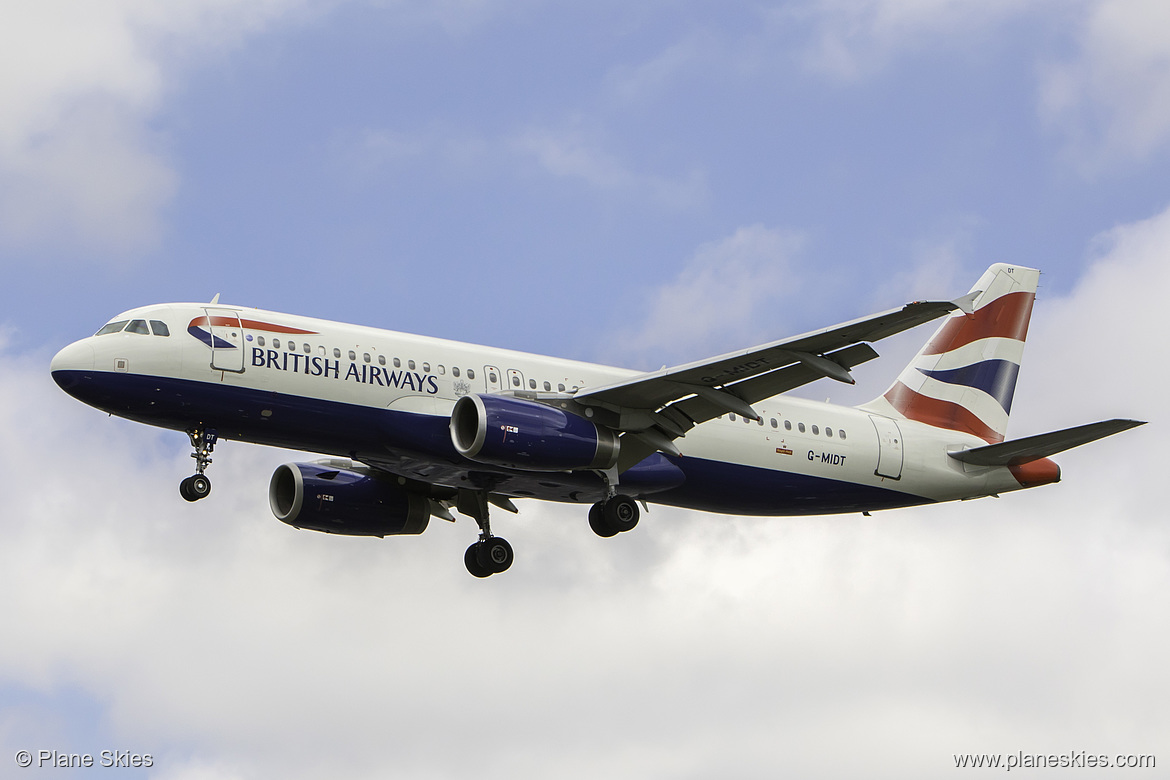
941, 414
1006, 317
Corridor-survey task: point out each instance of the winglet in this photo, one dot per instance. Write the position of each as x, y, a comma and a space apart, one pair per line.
214, 300
966, 304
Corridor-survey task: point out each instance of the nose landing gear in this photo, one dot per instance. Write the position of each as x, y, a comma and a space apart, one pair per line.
198, 485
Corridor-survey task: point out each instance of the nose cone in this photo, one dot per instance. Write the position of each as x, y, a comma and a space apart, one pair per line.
69, 363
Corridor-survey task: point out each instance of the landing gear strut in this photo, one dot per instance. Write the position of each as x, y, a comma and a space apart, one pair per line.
197, 485
491, 554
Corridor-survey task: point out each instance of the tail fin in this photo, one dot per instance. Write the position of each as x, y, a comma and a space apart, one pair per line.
965, 376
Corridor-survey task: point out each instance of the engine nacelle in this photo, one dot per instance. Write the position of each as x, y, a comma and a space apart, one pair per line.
508, 431
348, 500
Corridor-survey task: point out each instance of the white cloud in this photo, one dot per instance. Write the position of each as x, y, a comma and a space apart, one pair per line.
1100, 341
634, 83
567, 155
79, 82
370, 152
1107, 100
456, 17
938, 263
724, 297
855, 38
231, 646
571, 155
1111, 101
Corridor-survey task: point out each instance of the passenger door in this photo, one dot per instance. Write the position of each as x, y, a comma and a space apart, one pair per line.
227, 340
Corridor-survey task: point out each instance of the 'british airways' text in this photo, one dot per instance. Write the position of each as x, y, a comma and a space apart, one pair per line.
314, 365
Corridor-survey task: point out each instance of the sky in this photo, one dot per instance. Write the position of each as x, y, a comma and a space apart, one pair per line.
639, 184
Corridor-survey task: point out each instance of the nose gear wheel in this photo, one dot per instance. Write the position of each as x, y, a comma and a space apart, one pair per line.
198, 485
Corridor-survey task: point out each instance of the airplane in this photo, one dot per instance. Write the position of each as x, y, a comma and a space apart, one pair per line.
414, 427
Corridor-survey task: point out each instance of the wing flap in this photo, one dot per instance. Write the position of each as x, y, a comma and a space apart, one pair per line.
1030, 448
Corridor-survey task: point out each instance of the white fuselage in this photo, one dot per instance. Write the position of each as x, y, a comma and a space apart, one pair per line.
385, 397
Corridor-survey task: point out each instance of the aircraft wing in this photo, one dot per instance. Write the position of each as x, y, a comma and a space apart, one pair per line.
653, 409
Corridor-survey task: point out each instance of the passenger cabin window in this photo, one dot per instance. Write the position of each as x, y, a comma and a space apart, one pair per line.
471, 373
515, 381
442, 369
731, 416
800, 427
531, 384
410, 364
260, 340
352, 355
816, 431
455, 373
547, 387
366, 357
788, 425
276, 343
336, 352
774, 425
139, 327
160, 328
829, 432
397, 363
306, 347
560, 387
381, 360
426, 368
113, 327
841, 434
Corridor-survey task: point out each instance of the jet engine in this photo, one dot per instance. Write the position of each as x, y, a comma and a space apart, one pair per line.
507, 431
340, 497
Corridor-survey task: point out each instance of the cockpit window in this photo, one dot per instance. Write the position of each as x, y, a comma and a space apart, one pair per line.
138, 326
113, 327
160, 328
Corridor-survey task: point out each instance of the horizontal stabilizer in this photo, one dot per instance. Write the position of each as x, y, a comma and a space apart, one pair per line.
1030, 448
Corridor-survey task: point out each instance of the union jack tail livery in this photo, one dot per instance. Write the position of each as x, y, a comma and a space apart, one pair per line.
965, 376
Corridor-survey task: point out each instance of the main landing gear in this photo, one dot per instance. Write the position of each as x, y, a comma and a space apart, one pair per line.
617, 513
197, 485
613, 516
491, 554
